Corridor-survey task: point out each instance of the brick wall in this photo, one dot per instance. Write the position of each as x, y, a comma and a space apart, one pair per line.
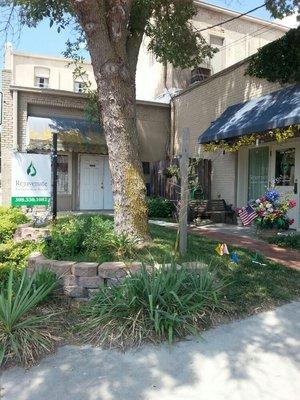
200, 105
6, 136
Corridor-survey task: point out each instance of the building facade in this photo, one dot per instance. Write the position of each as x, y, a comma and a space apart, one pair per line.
244, 175
42, 96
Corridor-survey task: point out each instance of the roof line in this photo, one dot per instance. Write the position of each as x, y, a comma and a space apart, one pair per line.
68, 93
235, 14
212, 77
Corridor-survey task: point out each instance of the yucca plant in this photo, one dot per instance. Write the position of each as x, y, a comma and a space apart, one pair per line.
152, 305
24, 336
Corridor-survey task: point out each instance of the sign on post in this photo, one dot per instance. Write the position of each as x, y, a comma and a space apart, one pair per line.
31, 179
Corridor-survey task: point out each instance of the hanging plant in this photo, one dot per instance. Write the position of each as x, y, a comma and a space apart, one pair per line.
231, 146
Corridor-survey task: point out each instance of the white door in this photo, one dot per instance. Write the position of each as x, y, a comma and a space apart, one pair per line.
91, 182
285, 172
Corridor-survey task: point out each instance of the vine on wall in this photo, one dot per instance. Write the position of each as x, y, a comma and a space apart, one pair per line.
278, 61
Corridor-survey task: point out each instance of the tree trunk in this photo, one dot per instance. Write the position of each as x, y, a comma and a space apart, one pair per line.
114, 54
118, 113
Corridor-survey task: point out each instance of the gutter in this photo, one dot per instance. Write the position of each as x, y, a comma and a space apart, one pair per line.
67, 93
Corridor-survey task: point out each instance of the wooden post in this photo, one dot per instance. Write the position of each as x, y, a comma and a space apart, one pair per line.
184, 197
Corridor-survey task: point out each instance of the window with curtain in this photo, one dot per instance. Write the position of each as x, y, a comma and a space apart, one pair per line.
63, 175
258, 172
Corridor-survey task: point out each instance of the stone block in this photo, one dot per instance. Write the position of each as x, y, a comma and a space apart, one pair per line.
92, 292
61, 268
133, 267
68, 280
115, 269
91, 282
194, 265
75, 291
33, 257
87, 269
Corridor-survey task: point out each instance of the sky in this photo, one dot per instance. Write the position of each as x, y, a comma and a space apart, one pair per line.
46, 40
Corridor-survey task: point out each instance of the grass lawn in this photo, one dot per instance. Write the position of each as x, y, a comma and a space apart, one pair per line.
251, 287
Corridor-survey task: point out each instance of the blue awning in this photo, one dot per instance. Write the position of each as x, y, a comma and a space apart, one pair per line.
274, 110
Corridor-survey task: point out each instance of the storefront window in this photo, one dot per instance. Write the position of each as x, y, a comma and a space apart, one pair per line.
63, 174
285, 167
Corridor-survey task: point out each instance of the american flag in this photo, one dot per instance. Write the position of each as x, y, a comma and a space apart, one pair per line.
247, 215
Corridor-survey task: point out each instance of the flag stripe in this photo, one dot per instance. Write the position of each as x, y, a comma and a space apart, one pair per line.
247, 215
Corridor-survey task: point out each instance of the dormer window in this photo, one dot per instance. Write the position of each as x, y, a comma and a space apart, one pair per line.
79, 86
41, 77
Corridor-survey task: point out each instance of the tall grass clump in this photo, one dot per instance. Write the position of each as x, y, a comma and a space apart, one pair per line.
24, 334
152, 305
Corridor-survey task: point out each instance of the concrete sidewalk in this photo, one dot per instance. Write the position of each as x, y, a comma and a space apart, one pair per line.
256, 358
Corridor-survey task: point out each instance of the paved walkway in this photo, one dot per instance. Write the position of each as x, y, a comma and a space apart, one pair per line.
241, 237
256, 358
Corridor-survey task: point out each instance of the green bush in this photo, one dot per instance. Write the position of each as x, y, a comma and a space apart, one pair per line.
91, 238
24, 336
152, 305
159, 207
67, 237
10, 218
14, 256
292, 241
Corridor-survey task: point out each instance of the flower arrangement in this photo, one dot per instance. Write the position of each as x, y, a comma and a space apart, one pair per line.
272, 212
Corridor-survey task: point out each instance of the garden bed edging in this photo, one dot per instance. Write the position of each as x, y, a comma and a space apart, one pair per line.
80, 280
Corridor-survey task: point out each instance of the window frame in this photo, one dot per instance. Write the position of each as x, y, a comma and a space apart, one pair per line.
69, 192
79, 83
38, 84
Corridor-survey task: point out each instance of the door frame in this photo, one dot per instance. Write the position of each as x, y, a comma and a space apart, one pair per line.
80, 157
272, 169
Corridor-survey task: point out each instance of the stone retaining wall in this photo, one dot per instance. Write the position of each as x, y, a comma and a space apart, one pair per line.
80, 280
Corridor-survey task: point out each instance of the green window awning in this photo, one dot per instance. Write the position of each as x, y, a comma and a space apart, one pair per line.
74, 134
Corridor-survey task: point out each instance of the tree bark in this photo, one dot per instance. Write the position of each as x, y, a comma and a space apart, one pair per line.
105, 25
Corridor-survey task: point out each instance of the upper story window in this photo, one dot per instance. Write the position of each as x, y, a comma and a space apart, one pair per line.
41, 77
199, 74
216, 41
79, 86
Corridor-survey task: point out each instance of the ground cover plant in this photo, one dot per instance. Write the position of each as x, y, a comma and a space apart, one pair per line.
13, 255
292, 240
154, 304
25, 334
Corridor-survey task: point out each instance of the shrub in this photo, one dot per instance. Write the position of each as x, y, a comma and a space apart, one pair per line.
24, 336
10, 218
91, 238
292, 241
67, 237
152, 305
14, 256
159, 207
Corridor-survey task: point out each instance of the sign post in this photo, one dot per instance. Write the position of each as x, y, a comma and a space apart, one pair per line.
54, 176
31, 179
184, 198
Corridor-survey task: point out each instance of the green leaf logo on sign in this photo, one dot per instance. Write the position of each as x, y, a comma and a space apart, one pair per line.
31, 171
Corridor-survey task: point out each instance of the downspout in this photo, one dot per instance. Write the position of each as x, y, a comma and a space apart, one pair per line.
172, 116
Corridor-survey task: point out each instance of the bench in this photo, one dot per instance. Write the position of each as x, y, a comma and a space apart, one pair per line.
216, 210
